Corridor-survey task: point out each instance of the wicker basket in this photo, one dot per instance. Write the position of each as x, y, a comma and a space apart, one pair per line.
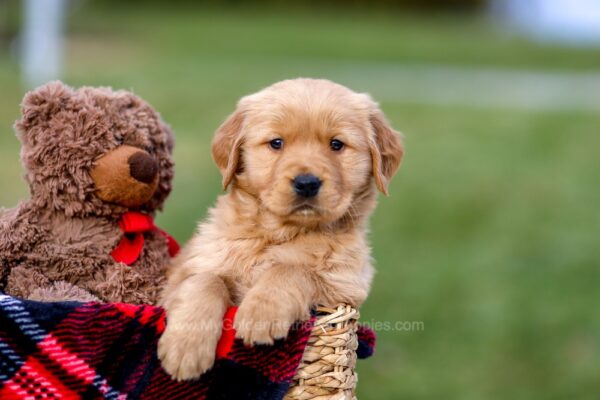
327, 368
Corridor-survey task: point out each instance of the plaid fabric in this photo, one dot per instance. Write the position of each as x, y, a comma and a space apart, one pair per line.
72, 350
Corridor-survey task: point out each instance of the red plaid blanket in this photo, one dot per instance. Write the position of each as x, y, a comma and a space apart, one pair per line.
72, 350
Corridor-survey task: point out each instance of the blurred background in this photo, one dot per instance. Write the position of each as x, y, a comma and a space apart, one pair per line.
488, 247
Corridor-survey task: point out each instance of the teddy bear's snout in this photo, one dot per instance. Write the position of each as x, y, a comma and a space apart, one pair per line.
126, 175
142, 167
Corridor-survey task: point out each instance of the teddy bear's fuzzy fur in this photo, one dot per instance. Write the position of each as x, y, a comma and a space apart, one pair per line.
57, 244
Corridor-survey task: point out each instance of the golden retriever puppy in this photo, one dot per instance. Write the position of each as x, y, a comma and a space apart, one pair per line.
303, 159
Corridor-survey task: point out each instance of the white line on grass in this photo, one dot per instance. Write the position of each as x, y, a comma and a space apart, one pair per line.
475, 87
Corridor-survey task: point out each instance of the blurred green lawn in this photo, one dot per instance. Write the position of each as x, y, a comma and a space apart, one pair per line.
490, 235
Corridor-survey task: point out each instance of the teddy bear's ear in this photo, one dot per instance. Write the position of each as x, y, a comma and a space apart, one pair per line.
40, 104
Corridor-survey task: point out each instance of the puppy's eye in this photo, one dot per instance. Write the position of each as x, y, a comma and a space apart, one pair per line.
336, 145
120, 140
276, 144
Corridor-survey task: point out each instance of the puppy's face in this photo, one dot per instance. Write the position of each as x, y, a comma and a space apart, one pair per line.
307, 149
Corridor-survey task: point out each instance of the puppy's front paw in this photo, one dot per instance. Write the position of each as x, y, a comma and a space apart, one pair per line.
261, 321
185, 354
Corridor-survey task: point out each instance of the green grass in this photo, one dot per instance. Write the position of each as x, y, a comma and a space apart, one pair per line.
490, 235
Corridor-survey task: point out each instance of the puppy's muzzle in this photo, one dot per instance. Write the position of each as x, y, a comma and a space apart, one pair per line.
306, 185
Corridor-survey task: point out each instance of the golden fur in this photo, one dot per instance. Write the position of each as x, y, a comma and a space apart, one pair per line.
263, 247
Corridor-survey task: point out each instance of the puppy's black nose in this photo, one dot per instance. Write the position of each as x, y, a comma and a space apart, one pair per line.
306, 185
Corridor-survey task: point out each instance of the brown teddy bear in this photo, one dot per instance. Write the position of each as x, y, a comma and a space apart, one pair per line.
98, 163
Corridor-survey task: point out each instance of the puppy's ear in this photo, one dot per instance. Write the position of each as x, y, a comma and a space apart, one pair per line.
226, 146
386, 149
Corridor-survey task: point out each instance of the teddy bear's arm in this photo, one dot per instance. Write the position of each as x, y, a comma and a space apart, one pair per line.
7, 244
19, 236
22, 281
62, 291
23, 261
30, 284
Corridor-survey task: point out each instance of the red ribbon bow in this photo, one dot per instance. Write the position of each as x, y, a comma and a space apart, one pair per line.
133, 225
